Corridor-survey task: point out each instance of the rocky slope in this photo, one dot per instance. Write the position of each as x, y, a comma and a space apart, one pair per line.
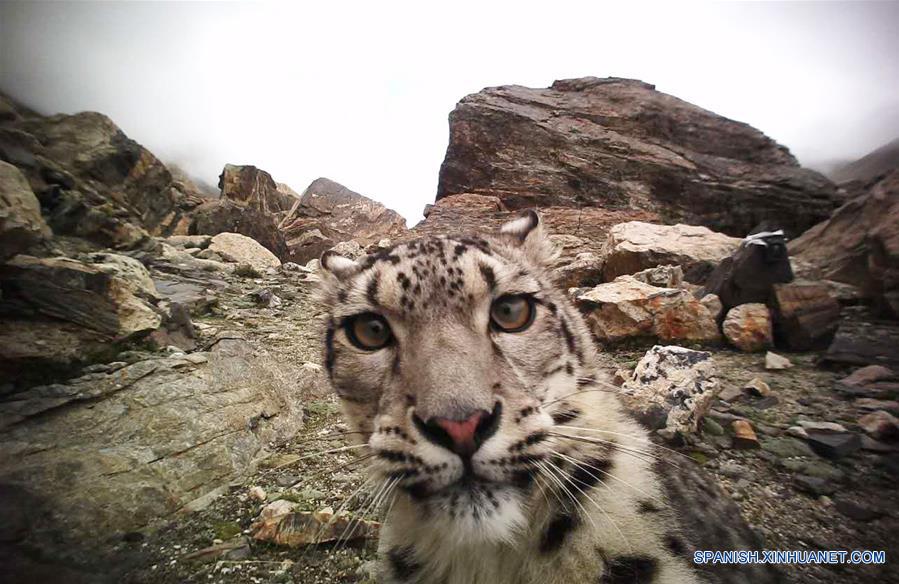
162, 402
620, 144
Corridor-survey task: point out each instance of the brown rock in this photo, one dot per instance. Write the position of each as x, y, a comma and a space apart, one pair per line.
866, 375
281, 524
805, 315
619, 143
744, 435
861, 341
628, 309
748, 327
635, 246
21, 224
667, 276
880, 425
859, 244
776, 362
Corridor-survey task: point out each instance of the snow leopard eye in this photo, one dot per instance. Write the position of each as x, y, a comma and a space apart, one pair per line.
368, 331
512, 313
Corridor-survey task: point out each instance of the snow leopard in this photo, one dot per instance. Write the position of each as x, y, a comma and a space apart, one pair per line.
501, 451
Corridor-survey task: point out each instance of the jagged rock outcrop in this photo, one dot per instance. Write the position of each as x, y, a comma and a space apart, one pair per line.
296, 228
21, 224
620, 144
92, 180
859, 244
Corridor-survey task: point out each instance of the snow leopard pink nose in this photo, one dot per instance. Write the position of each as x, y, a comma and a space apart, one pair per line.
464, 436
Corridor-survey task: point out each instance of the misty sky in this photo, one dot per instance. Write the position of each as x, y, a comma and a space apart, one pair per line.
360, 92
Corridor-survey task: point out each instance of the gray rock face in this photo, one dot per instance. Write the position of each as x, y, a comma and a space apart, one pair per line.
145, 440
619, 143
21, 224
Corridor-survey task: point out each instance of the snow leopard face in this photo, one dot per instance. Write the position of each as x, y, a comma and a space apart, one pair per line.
451, 357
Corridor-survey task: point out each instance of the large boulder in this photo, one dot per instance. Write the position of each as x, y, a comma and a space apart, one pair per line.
335, 214
630, 309
635, 246
748, 327
296, 228
237, 248
21, 224
859, 244
619, 143
141, 441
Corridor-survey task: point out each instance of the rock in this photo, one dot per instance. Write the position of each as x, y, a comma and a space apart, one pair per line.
339, 214
880, 425
775, 362
128, 269
757, 387
349, 249
859, 244
628, 308
95, 182
279, 523
786, 447
91, 296
833, 445
861, 341
265, 297
813, 485
240, 249
872, 445
197, 298
731, 394
635, 246
151, 437
679, 382
713, 304
748, 327
619, 143
856, 511
871, 404
21, 224
821, 426
805, 315
797, 432
189, 241
748, 276
584, 270
866, 375
257, 493
236, 549
744, 435
662, 276
296, 228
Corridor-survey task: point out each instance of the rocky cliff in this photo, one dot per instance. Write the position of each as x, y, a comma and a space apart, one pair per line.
621, 144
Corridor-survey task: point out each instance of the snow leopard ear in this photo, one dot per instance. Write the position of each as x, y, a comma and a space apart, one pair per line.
337, 266
527, 233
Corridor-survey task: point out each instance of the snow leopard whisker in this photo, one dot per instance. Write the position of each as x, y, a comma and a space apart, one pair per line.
582, 463
595, 504
635, 452
635, 438
615, 390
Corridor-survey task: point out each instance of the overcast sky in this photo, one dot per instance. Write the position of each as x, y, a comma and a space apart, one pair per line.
360, 92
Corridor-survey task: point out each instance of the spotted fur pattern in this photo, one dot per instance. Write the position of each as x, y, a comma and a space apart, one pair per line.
562, 491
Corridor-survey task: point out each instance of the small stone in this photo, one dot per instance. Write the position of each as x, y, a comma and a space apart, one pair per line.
786, 447
833, 445
744, 435
870, 404
775, 362
880, 425
813, 485
710, 426
757, 387
257, 493
732, 469
324, 514
821, 426
731, 394
866, 375
872, 445
797, 432
856, 511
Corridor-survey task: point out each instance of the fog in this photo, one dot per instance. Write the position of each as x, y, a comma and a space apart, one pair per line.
360, 92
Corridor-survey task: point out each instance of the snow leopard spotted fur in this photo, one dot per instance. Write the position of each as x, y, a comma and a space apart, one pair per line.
555, 483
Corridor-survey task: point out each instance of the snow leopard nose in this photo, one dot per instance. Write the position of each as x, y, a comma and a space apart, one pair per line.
464, 436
